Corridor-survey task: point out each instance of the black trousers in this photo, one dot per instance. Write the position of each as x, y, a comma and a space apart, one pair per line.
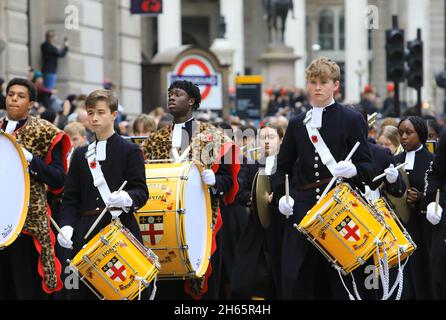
19, 279
306, 273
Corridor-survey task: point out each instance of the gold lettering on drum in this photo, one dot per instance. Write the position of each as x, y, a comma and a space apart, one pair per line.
359, 246
156, 197
108, 251
169, 258
321, 233
123, 287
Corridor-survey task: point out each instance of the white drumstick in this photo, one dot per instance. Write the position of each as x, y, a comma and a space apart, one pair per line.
437, 201
58, 230
383, 174
335, 177
287, 191
102, 214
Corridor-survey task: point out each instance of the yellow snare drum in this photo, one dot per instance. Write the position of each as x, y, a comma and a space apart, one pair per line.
176, 220
114, 263
343, 227
397, 237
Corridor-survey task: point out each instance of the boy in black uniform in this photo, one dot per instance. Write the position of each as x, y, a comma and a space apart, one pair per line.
84, 200
220, 157
305, 272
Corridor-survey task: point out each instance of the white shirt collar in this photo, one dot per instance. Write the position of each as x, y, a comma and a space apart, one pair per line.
178, 133
410, 158
183, 124
269, 164
10, 127
101, 150
316, 116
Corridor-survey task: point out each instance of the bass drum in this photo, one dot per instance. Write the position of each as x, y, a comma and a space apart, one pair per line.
14, 189
176, 222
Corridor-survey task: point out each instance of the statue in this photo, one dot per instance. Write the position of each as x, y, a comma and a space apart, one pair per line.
276, 12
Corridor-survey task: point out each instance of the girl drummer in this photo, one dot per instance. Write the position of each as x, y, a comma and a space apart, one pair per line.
413, 132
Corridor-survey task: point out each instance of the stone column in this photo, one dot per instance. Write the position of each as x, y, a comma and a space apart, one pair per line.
13, 39
232, 11
82, 69
169, 25
130, 59
356, 50
295, 37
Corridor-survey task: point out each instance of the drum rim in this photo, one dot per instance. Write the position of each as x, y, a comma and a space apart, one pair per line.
201, 270
27, 185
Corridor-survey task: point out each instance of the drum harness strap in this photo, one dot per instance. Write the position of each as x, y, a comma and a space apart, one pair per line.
383, 268
316, 139
101, 184
384, 275
93, 158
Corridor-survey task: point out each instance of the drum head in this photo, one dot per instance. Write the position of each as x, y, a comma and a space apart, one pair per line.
14, 190
197, 221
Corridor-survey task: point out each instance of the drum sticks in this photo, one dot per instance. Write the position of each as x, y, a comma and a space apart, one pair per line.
383, 174
102, 214
287, 191
335, 177
437, 200
59, 230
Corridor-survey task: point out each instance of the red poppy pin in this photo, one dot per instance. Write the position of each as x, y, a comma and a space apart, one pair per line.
314, 139
93, 164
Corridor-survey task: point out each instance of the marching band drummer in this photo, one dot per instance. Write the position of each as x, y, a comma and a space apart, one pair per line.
384, 163
86, 194
305, 272
256, 272
210, 147
413, 132
436, 180
23, 273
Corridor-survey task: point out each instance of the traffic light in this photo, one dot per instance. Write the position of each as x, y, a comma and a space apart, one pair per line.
395, 55
414, 60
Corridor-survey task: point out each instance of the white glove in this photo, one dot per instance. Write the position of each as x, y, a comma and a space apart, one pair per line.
119, 199
286, 208
208, 177
433, 217
67, 233
345, 169
28, 155
391, 174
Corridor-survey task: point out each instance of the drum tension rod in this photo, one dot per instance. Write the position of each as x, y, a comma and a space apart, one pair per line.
104, 241
337, 199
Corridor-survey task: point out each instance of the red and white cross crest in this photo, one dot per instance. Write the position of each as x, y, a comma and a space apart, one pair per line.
152, 229
115, 270
349, 230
